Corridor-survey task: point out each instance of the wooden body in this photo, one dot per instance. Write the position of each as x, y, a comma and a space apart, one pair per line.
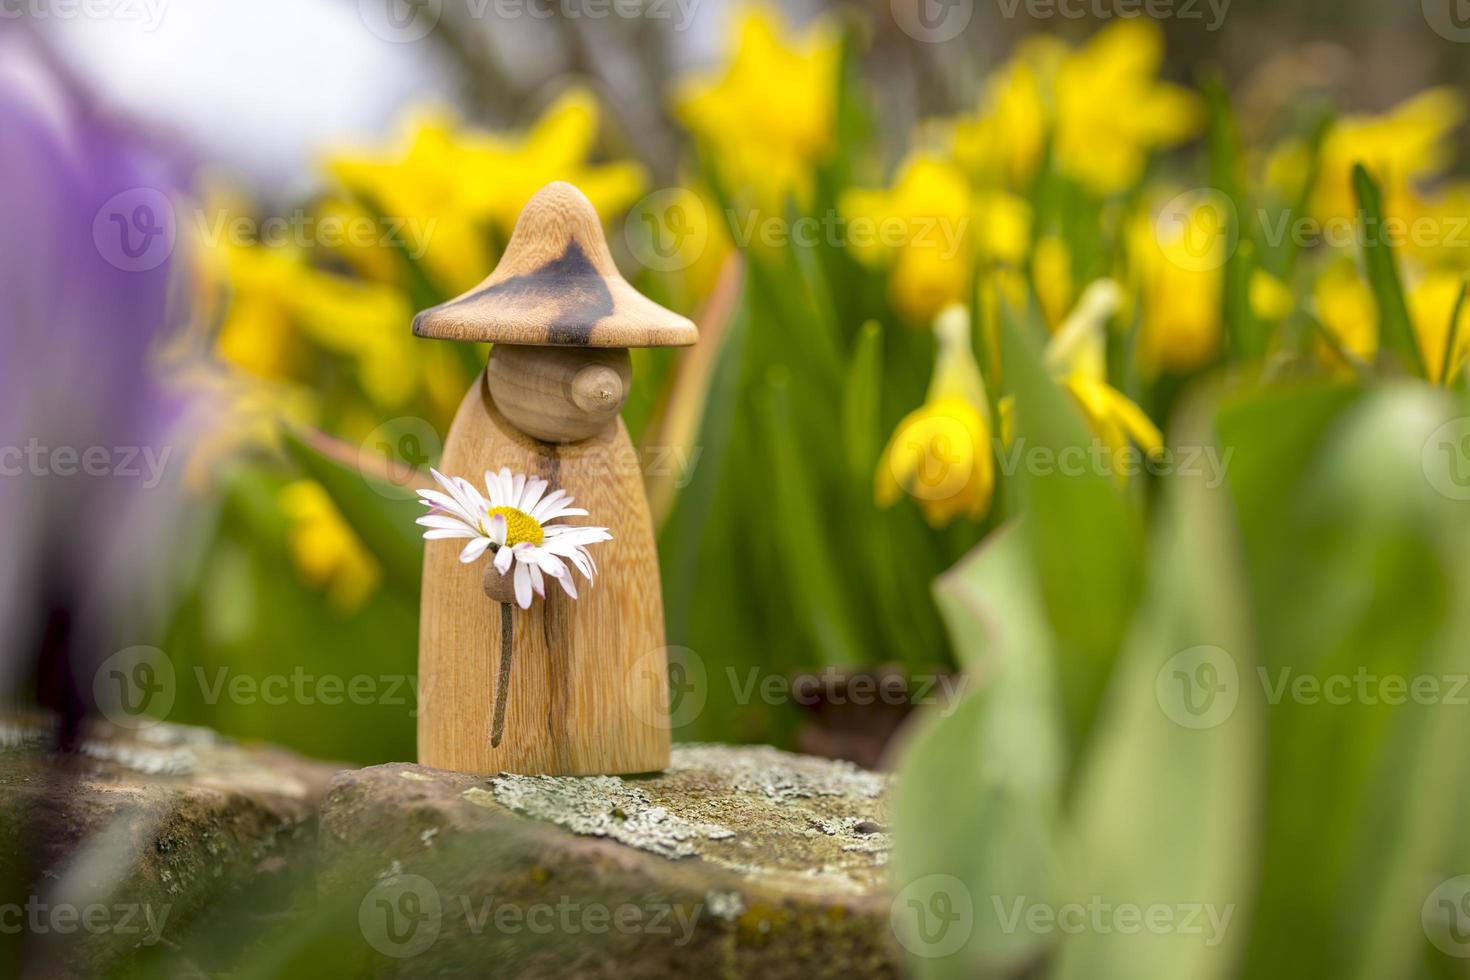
589, 690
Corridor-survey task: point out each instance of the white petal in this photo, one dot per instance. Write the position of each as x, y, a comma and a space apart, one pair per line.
551, 564
568, 585
503, 558
474, 550
549, 503
517, 487
534, 489
496, 529
563, 512
442, 521
523, 586
441, 533
538, 581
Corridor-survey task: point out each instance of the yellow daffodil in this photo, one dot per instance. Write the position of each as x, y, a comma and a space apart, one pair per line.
941, 453
768, 117
448, 190
1403, 147
1432, 302
1344, 305
1112, 110
1270, 298
1103, 103
1177, 263
1076, 357
327, 551
1003, 143
1051, 271
931, 229
279, 302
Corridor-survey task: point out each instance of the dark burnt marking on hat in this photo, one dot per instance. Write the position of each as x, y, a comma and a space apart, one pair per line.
568, 285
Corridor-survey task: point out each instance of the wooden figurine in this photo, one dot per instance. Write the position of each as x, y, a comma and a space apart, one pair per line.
581, 683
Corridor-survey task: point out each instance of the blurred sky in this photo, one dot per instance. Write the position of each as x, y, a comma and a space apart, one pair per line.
263, 85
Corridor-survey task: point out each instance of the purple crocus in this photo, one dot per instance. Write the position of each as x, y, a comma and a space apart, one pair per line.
88, 285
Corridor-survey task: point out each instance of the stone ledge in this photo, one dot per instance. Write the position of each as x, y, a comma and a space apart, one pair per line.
734, 862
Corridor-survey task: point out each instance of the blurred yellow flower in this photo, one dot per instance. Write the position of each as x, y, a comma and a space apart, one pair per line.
1403, 147
1346, 309
279, 301
1112, 110
1077, 357
1003, 143
931, 229
1177, 266
446, 190
768, 117
1051, 270
327, 552
941, 453
1270, 298
1432, 301
1103, 103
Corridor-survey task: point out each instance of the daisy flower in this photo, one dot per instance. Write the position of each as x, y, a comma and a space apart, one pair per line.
513, 520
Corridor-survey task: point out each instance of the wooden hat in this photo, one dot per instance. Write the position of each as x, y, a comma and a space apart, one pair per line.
556, 286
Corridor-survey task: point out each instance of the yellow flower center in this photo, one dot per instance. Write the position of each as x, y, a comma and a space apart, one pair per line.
520, 527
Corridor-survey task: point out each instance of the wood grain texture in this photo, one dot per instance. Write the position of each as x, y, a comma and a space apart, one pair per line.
559, 394
557, 285
589, 689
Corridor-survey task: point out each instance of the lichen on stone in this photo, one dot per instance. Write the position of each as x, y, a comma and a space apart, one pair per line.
600, 806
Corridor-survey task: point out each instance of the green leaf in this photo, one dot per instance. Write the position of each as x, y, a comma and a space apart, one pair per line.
1087, 541
1245, 335
975, 809
1167, 796
799, 527
1396, 345
379, 512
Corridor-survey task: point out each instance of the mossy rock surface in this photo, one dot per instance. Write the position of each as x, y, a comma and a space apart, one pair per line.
149, 833
735, 862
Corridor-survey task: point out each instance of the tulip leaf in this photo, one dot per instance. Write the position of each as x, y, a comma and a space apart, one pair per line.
1087, 540
976, 805
1167, 794
1397, 344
